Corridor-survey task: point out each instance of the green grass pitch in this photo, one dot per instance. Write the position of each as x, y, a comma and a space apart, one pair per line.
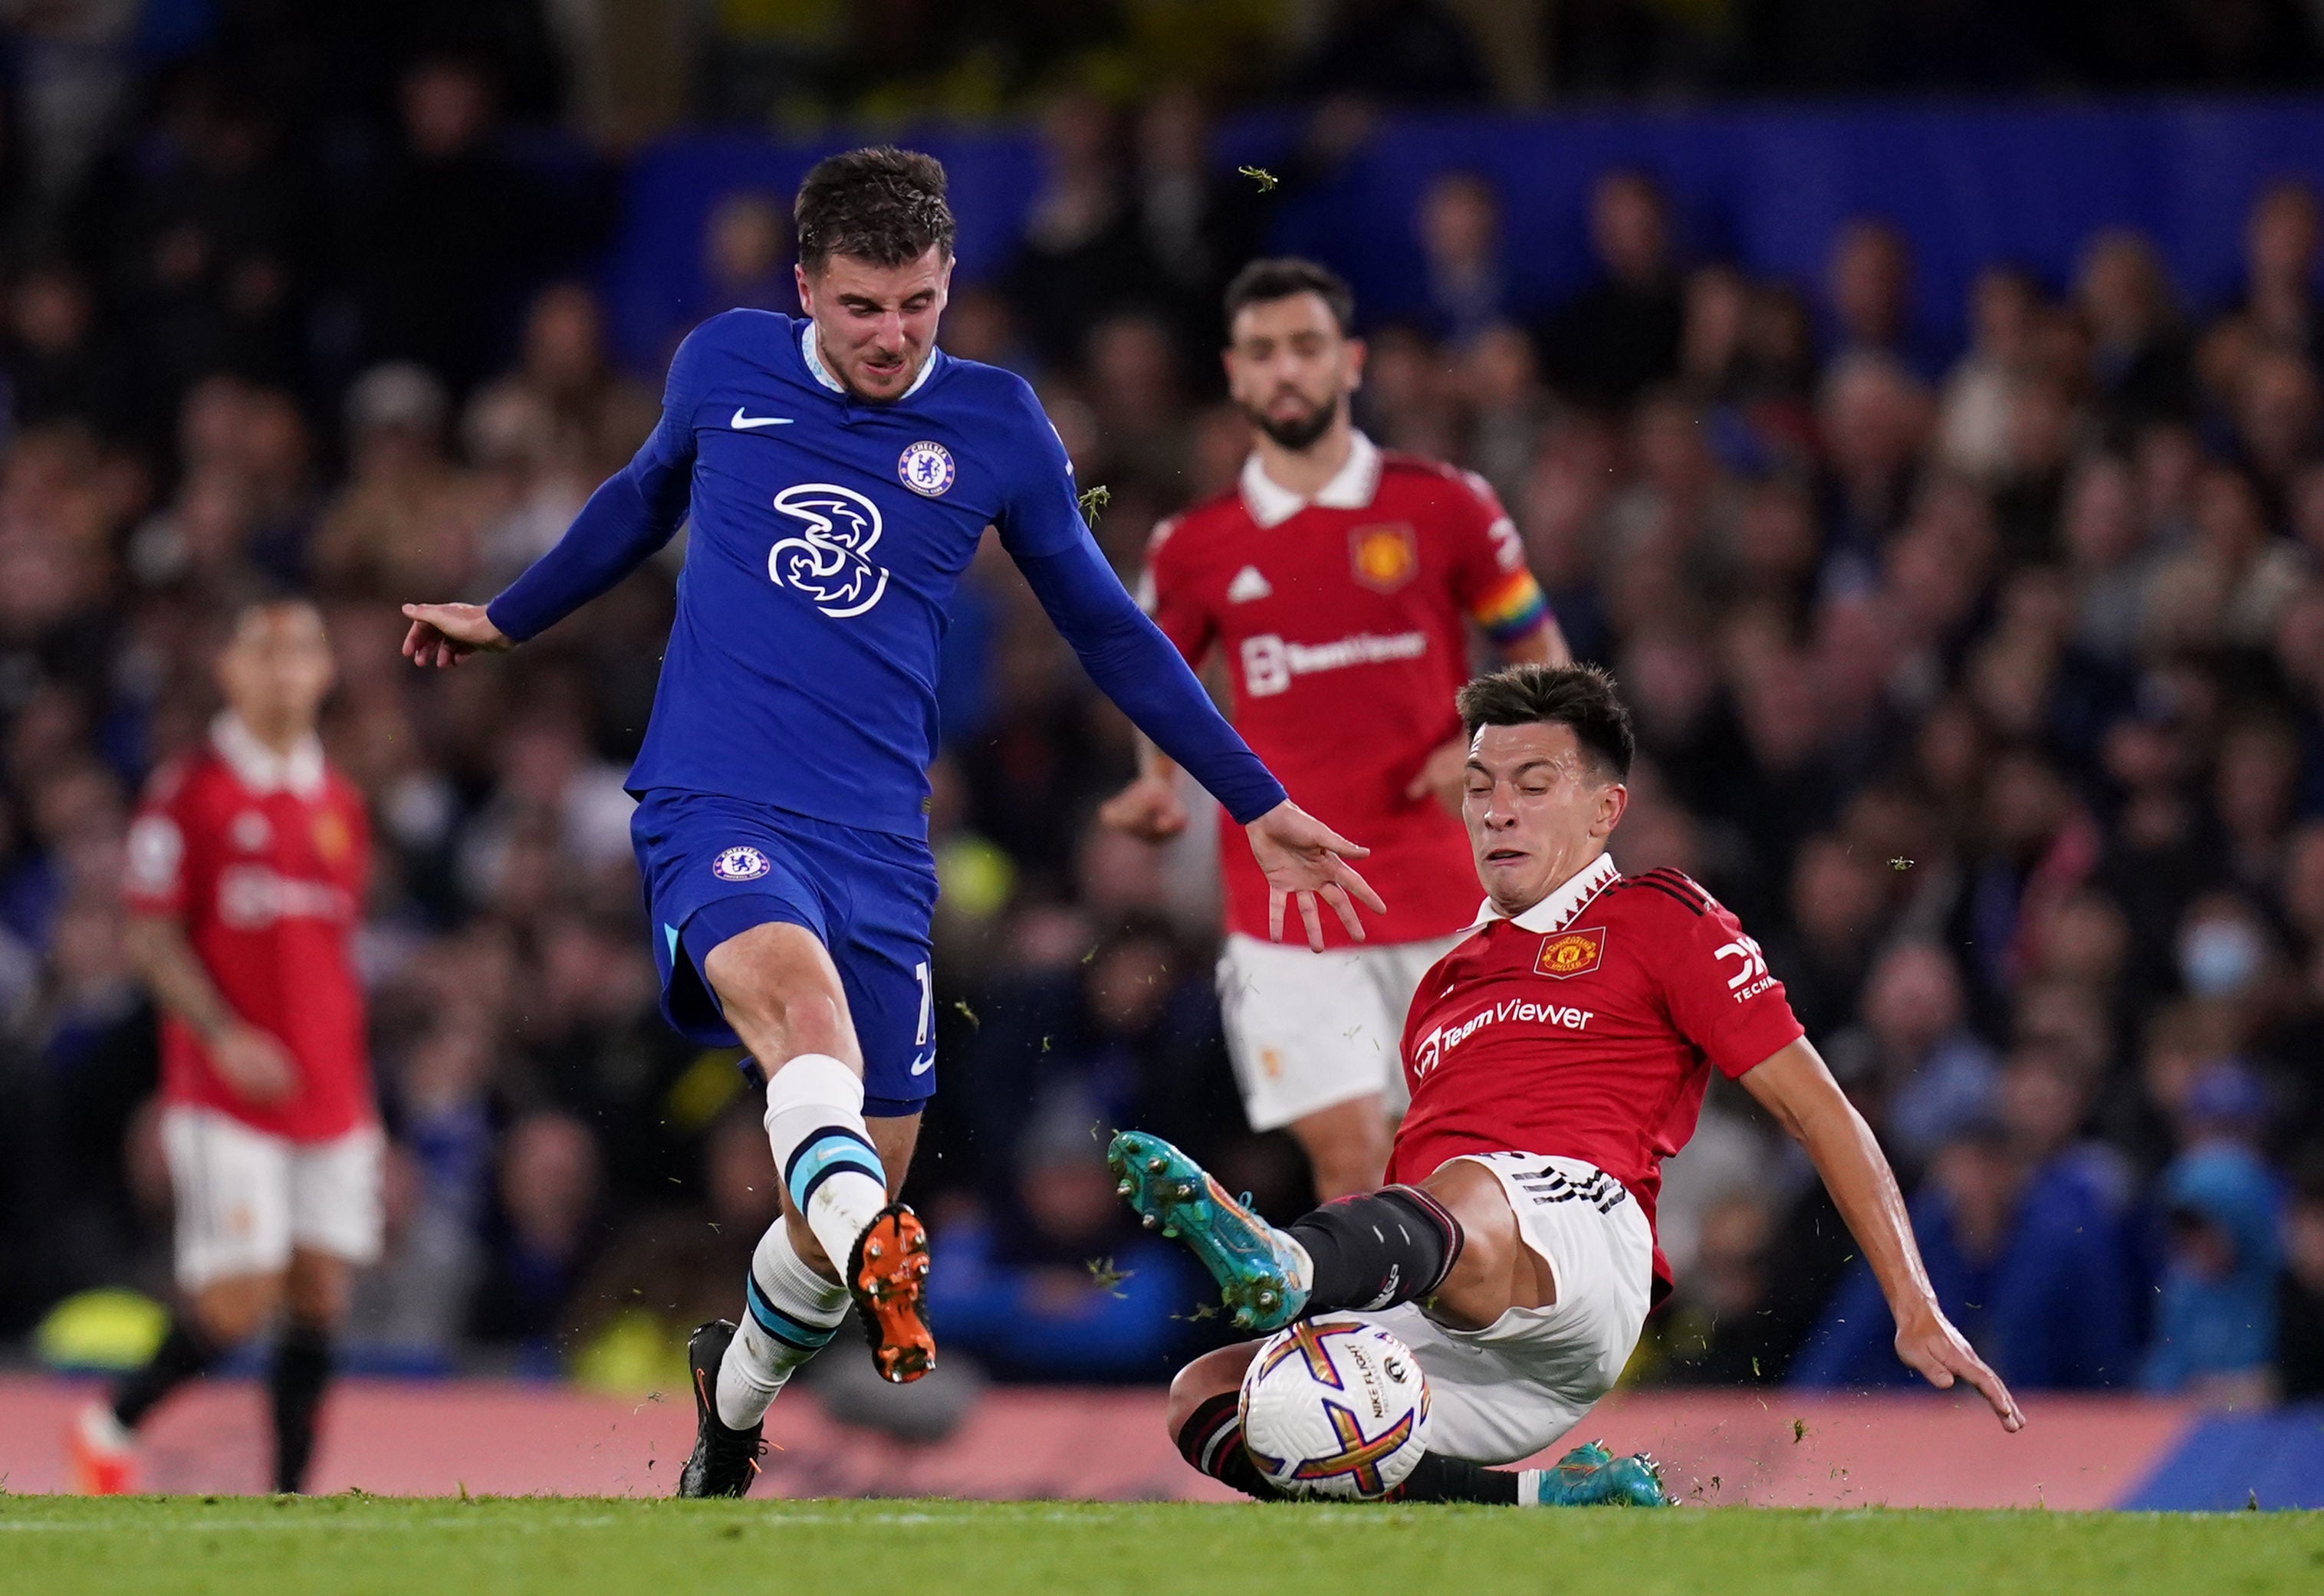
257, 1547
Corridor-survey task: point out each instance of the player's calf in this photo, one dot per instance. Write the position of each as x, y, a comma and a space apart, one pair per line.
1372, 1250
792, 1313
1375, 1249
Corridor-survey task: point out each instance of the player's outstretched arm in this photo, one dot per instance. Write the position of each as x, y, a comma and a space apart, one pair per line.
1134, 665
1793, 1085
633, 513
446, 634
1304, 859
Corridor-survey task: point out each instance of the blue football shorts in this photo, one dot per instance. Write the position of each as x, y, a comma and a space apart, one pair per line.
715, 866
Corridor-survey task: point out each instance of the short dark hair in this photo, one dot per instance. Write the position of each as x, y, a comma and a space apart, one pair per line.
1579, 695
880, 204
1279, 277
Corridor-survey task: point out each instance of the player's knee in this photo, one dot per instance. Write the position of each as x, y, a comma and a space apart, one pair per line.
777, 981
315, 1290
1212, 1374
233, 1310
1347, 1147
1486, 1278
1472, 1194
1357, 1162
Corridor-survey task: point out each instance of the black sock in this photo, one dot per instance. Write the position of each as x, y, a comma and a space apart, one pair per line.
184, 1353
1212, 1442
1439, 1479
302, 1368
1377, 1249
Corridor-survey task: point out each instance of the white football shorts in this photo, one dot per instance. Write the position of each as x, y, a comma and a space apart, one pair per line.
1308, 1030
1507, 1391
246, 1198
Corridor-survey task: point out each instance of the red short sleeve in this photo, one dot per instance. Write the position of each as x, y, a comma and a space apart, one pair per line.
153, 863
1720, 992
1167, 596
1489, 575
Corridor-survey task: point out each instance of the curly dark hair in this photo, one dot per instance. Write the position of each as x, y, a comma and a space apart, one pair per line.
1579, 695
880, 204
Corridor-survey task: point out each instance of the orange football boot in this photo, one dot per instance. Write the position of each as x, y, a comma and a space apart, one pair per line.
101, 1456
888, 1277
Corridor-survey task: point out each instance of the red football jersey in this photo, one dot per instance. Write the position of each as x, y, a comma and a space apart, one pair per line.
1342, 621
263, 858
1587, 1027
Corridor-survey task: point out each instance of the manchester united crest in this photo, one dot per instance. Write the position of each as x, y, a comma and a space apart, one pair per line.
1383, 557
1571, 952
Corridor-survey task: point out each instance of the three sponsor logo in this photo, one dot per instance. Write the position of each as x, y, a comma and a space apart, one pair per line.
828, 558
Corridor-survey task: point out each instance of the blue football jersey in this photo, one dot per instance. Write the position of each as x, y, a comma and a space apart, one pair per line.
827, 535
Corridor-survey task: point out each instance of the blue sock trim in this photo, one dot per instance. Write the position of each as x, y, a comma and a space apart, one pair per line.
825, 1154
795, 1333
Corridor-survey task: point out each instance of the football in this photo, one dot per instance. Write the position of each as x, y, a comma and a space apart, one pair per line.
1335, 1408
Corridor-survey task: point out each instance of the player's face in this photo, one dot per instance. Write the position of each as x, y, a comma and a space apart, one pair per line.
1537, 809
277, 669
1290, 369
875, 324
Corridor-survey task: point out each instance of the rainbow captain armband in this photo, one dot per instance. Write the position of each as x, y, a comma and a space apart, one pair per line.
1511, 608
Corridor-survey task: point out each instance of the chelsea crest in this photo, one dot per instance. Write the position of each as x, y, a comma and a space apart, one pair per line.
740, 864
926, 469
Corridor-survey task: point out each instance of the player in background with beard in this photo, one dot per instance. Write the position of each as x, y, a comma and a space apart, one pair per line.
1556, 1056
1335, 576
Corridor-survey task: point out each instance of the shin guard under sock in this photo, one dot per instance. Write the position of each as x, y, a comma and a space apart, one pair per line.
184, 1353
1211, 1441
302, 1368
814, 1124
791, 1313
1377, 1249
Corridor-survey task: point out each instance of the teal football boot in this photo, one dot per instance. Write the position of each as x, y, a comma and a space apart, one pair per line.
1257, 1266
1590, 1477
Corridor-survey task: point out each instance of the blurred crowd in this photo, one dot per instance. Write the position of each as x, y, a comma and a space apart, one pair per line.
1985, 684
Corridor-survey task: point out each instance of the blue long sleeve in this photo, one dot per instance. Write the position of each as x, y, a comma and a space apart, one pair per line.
633, 513
1134, 665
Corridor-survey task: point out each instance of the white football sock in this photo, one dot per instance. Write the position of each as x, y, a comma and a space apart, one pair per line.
815, 1122
791, 1313
1528, 1482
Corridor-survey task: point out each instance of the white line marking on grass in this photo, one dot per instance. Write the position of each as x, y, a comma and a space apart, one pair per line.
180, 1527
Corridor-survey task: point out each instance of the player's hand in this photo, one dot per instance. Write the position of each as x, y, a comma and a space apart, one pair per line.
1927, 1342
1303, 858
1148, 808
446, 634
1443, 775
253, 1064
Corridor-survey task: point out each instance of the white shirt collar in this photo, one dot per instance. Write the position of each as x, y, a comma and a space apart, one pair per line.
1350, 488
1562, 906
260, 768
816, 368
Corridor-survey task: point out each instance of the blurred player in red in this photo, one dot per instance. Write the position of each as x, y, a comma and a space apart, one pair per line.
1339, 583
1555, 1058
245, 877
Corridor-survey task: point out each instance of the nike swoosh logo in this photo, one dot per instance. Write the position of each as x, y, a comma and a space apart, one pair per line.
742, 423
921, 1067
